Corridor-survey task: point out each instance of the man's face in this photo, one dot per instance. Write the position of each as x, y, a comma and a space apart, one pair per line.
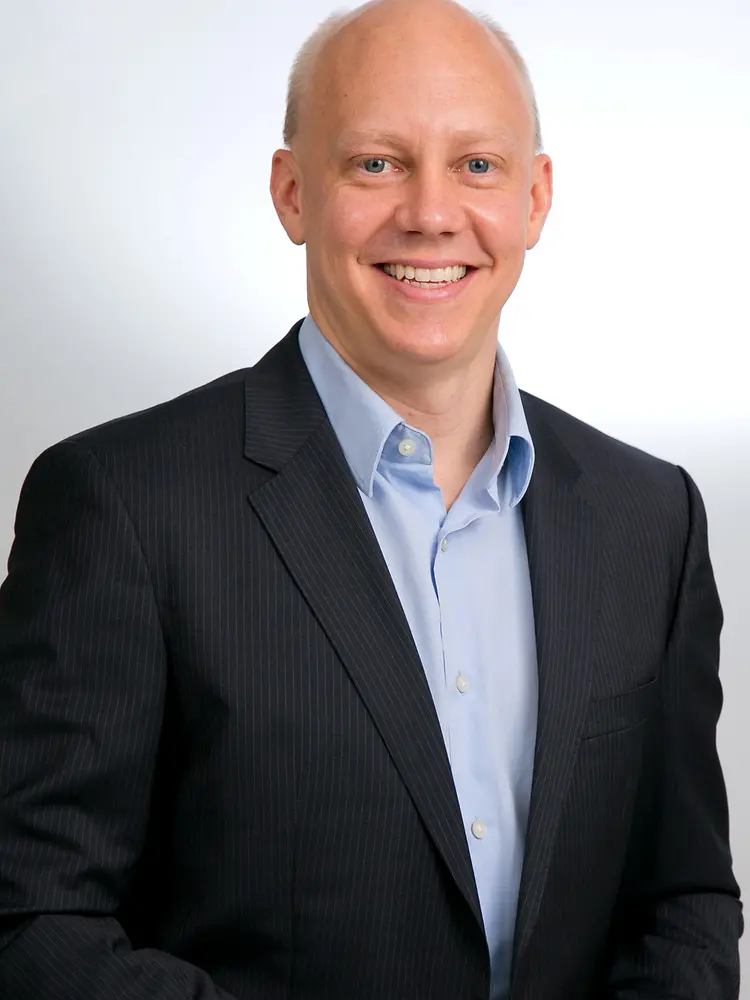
415, 148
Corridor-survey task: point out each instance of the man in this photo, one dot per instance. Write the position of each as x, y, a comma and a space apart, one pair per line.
360, 674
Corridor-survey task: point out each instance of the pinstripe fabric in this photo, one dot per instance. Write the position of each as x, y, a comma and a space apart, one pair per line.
222, 773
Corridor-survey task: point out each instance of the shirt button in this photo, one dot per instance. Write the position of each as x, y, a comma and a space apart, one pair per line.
462, 684
444, 545
478, 829
407, 447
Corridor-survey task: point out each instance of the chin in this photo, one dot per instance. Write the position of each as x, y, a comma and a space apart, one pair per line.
426, 345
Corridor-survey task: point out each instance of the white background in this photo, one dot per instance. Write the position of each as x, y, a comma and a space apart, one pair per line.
140, 254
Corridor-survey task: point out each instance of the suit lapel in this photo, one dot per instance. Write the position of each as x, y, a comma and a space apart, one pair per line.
312, 511
562, 546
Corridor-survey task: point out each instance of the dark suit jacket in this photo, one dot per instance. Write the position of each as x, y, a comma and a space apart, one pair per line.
222, 773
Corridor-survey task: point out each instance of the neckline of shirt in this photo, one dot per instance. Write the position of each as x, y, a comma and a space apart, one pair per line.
343, 393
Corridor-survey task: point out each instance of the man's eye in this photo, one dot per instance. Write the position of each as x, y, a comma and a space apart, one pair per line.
483, 166
376, 162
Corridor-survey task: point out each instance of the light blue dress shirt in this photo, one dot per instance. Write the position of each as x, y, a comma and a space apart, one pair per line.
463, 581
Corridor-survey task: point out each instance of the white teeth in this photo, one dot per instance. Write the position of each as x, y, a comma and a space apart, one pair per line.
436, 275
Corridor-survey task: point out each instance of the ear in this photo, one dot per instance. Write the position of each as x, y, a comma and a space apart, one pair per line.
540, 200
285, 192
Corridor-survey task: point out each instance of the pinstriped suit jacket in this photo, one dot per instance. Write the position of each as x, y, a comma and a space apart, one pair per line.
222, 774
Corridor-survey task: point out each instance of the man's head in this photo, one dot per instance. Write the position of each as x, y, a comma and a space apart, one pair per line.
413, 139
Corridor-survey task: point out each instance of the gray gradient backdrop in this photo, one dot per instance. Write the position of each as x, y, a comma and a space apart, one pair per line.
140, 254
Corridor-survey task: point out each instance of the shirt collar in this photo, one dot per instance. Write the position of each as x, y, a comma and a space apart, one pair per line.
363, 421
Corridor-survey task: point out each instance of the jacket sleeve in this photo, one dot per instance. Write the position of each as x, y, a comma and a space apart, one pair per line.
679, 920
82, 690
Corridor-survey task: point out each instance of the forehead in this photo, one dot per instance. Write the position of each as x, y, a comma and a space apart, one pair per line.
433, 82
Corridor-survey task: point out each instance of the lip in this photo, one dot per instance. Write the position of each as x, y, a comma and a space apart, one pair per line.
417, 294
419, 262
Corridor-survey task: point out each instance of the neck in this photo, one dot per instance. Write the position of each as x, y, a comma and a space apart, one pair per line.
457, 417
454, 409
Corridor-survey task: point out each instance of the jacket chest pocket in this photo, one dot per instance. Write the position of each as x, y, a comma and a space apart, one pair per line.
619, 712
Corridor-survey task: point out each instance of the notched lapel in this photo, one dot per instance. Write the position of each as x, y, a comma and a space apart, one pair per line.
317, 522
563, 553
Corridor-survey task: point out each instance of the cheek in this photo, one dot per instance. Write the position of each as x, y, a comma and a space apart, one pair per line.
352, 217
501, 225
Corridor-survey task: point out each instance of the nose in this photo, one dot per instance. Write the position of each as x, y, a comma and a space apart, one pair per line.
431, 204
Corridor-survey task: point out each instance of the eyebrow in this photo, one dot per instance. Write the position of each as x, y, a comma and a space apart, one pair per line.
469, 137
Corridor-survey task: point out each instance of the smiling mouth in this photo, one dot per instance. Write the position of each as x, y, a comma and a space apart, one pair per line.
426, 278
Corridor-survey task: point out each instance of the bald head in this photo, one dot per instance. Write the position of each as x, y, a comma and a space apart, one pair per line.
341, 43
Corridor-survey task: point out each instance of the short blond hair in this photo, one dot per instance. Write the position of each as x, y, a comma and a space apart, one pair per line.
304, 63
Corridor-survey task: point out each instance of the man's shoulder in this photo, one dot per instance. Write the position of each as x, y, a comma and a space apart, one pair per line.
611, 463
199, 416
206, 418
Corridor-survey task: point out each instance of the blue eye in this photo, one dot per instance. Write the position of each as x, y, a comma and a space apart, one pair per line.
375, 159
481, 161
